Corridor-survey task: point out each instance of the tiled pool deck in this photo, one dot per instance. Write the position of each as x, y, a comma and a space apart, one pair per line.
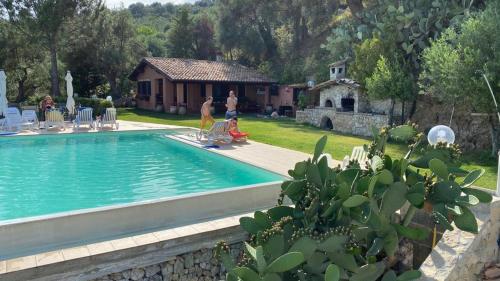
95, 260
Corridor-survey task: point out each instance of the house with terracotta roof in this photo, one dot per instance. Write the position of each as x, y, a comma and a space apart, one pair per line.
166, 82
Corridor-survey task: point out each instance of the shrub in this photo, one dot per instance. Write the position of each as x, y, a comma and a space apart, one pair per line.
342, 223
98, 105
304, 100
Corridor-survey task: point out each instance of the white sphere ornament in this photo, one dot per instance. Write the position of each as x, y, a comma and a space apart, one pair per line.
441, 133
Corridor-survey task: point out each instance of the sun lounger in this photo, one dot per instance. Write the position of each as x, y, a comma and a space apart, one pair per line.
358, 154
29, 115
14, 120
109, 118
219, 133
84, 117
54, 118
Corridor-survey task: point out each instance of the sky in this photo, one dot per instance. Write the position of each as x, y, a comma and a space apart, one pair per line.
126, 3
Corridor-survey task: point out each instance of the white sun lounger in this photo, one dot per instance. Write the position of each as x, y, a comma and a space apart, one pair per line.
29, 115
14, 120
219, 132
54, 118
84, 117
109, 118
358, 154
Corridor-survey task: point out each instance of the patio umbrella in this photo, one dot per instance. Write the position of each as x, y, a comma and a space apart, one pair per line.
3, 93
70, 103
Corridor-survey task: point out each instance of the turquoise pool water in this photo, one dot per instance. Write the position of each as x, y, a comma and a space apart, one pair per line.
48, 174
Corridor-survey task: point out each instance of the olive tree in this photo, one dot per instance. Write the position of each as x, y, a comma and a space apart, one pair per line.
454, 65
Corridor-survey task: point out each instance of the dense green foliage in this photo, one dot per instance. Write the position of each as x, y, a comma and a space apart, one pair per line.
455, 63
398, 30
342, 225
389, 81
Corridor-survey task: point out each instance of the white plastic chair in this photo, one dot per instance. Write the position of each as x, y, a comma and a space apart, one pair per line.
29, 115
109, 118
54, 118
84, 117
14, 119
358, 154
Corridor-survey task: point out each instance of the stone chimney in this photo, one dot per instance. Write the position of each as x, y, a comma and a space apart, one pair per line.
338, 70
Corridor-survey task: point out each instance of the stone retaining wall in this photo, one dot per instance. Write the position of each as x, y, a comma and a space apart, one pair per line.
200, 265
345, 122
463, 256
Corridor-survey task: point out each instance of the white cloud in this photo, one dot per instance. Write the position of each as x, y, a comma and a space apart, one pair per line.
118, 3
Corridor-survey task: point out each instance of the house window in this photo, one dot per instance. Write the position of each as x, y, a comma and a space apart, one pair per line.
340, 70
144, 89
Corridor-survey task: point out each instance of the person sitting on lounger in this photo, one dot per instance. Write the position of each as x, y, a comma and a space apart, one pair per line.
46, 105
234, 131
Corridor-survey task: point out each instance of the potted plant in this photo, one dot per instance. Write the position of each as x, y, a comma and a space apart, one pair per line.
173, 109
182, 108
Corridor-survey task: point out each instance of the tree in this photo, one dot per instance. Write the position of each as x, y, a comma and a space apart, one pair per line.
180, 39
454, 65
203, 36
367, 55
45, 19
20, 57
405, 27
390, 81
118, 49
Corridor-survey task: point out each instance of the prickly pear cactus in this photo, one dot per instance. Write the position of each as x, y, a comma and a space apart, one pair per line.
342, 223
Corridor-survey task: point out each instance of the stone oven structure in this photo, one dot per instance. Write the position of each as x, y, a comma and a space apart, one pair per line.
343, 106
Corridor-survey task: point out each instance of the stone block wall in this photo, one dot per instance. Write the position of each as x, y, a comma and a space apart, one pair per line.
359, 124
200, 265
472, 131
303, 116
463, 256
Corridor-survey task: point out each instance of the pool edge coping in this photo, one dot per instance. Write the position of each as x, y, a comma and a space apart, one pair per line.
170, 235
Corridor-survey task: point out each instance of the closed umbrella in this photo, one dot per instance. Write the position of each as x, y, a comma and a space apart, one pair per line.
3, 93
70, 103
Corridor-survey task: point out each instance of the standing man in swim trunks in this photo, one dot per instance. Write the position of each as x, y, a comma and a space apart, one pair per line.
206, 116
231, 103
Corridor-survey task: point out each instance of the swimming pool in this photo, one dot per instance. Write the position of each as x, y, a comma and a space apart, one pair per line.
43, 175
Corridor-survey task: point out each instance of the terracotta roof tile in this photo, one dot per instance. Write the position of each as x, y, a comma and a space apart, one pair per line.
201, 70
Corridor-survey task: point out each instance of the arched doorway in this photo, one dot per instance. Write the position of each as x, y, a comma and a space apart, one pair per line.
328, 103
326, 123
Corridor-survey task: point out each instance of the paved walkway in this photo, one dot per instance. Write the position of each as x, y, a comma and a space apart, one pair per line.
272, 158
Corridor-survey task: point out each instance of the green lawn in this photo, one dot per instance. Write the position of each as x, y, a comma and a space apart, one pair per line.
288, 134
